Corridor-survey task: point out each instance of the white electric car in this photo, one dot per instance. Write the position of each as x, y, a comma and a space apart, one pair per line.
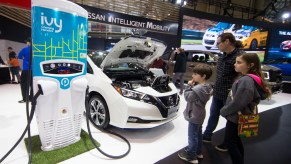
124, 93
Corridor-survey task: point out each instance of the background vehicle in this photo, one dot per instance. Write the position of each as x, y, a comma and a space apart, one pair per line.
124, 93
285, 45
210, 36
251, 37
194, 57
283, 63
273, 75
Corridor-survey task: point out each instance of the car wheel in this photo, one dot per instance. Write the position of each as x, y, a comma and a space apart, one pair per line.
208, 48
254, 44
99, 111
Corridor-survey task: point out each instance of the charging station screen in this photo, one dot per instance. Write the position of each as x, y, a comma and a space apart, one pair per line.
62, 68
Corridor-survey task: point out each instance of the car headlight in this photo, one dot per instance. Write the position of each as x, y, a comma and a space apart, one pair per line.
247, 34
132, 94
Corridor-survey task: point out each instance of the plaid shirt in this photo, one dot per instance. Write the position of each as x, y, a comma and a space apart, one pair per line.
226, 74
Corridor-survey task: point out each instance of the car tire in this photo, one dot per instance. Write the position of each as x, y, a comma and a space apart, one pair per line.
99, 112
208, 47
254, 44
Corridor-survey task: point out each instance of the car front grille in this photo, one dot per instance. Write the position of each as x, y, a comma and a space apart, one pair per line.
169, 100
211, 42
166, 104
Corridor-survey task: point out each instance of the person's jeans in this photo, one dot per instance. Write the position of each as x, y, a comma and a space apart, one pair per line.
180, 76
24, 85
194, 139
216, 105
233, 143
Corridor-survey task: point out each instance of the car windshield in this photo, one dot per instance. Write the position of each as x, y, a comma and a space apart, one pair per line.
223, 25
97, 57
251, 28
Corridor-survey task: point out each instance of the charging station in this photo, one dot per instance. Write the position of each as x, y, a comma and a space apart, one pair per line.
59, 51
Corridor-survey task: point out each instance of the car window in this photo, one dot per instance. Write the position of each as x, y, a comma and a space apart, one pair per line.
98, 57
166, 55
89, 68
223, 25
196, 57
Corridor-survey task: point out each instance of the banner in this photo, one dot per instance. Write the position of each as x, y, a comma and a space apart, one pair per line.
114, 18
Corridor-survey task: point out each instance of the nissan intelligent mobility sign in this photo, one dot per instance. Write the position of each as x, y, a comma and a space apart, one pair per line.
109, 17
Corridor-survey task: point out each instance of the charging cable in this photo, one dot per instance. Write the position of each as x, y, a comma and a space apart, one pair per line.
106, 131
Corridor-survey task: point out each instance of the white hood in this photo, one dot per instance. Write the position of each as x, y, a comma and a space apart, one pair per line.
134, 50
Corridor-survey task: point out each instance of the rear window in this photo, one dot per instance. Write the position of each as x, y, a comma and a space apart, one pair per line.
197, 57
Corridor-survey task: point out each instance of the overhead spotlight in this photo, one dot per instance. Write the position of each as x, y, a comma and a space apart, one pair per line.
286, 15
178, 1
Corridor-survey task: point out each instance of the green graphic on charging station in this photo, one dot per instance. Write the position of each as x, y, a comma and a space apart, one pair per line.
59, 35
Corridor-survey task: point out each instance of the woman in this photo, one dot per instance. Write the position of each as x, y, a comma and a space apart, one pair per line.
243, 97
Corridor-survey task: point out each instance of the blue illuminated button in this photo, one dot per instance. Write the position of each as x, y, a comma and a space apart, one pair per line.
65, 82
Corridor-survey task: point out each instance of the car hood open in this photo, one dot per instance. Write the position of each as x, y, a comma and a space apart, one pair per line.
141, 50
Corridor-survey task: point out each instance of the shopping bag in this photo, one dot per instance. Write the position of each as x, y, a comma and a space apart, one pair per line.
248, 125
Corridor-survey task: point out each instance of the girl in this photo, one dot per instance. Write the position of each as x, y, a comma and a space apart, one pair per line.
243, 97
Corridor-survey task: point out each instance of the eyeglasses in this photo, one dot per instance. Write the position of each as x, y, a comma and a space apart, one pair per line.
218, 43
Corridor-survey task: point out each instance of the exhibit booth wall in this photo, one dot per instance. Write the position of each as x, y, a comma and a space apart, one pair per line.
12, 34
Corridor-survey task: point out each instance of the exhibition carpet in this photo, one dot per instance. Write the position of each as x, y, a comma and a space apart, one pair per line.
58, 155
271, 146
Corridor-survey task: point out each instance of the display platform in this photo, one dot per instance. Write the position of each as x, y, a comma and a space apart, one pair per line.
274, 136
147, 145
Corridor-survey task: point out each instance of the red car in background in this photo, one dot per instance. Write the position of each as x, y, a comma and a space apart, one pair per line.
286, 45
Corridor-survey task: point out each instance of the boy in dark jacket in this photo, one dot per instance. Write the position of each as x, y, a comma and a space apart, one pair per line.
196, 98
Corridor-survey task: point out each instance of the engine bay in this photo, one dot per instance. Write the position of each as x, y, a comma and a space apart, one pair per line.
136, 77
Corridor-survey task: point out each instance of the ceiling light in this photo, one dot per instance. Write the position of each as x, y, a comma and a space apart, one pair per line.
285, 15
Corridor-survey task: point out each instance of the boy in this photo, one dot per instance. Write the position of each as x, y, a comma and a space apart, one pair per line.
196, 98
14, 69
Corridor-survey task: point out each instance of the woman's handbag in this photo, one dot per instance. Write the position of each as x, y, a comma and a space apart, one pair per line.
248, 125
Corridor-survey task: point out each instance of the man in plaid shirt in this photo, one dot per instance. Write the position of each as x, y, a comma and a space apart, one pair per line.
226, 75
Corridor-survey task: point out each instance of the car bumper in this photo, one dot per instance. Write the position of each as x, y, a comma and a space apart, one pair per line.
137, 114
142, 124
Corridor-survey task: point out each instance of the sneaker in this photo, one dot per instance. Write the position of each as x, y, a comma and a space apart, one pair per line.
206, 139
21, 101
184, 156
200, 156
221, 147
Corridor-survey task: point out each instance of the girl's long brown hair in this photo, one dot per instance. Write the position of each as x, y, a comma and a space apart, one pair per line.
256, 68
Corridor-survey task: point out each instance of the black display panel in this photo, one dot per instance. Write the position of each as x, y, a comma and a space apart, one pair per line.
62, 68
201, 34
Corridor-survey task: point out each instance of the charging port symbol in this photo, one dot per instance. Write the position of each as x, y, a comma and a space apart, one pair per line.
65, 82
